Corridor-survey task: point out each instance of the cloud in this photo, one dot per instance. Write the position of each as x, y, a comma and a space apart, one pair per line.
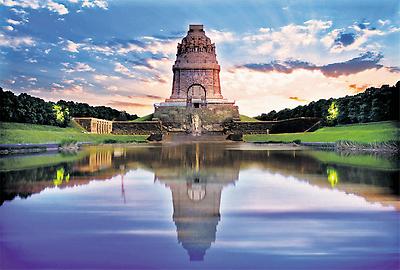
33, 4
95, 3
8, 28
16, 42
128, 104
114, 47
355, 38
298, 99
284, 41
20, 12
112, 88
118, 67
57, 7
73, 90
365, 61
152, 97
358, 88
72, 46
78, 67
383, 22
13, 22
102, 77
56, 85
31, 60
369, 60
220, 37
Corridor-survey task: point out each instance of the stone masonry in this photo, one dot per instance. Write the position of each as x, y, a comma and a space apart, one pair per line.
196, 64
196, 89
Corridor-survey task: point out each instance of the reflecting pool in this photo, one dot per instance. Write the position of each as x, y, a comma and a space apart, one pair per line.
199, 205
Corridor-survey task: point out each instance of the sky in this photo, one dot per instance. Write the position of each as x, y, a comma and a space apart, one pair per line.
273, 54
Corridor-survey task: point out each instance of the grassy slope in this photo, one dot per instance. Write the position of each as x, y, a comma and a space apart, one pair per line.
29, 133
144, 118
246, 118
363, 133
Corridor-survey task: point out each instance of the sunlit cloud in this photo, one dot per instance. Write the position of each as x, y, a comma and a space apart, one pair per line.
365, 61
16, 42
77, 67
298, 99
71, 46
358, 88
124, 104
53, 6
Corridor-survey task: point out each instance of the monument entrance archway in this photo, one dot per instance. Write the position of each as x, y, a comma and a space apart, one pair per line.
196, 96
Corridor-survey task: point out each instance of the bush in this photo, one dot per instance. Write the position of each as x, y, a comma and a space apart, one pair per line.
66, 142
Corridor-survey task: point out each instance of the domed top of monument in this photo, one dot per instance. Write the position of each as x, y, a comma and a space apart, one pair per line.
196, 48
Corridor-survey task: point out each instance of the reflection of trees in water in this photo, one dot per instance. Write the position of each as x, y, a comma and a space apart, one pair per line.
333, 178
217, 163
106, 163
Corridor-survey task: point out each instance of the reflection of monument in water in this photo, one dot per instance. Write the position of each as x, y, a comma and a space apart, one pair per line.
196, 192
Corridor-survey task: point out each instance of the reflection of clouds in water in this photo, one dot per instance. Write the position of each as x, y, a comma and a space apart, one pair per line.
264, 191
300, 242
150, 233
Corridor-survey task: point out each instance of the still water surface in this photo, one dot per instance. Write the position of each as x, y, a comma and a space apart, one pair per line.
209, 206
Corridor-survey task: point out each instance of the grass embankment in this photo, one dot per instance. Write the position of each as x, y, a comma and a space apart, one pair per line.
144, 118
360, 133
13, 133
246, 118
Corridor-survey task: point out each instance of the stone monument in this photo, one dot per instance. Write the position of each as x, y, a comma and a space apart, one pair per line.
196, 90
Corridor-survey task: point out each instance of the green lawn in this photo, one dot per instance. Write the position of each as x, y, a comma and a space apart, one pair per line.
29, 133
362, 133
246, 118
144, 118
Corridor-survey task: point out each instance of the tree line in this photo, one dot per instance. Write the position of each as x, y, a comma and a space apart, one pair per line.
375, 104
27, 109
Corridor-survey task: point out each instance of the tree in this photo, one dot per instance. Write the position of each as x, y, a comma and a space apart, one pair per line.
61, 114
333, 113
374, 104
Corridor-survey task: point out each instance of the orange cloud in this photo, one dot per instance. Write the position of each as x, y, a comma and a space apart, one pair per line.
127, 104
358, 88
148, 97
298, 99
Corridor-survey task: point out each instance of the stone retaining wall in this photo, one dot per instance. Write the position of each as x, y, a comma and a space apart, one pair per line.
218, 119
138, 128
272, 127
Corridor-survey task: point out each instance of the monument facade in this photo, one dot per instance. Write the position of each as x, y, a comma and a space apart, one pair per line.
196, 103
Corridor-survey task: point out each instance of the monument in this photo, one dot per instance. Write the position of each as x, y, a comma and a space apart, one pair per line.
196, 104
